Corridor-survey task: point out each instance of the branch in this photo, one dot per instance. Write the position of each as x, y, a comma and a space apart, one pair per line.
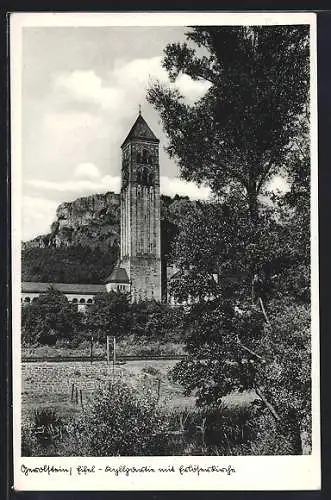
264, 176
299, 148
249, 350
266, 402
203, 77
263, 310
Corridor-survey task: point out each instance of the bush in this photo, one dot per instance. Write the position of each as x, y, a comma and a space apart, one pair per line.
29, 444
45, 434
47, 338
116, 423
151, 370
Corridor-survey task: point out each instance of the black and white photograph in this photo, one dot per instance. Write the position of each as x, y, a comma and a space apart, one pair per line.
164, 199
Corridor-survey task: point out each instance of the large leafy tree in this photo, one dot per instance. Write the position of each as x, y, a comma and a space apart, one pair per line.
110, 315
239, 133
50, 317
251, 124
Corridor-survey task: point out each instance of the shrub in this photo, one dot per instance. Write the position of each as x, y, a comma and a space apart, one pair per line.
47, 338
29, 444
151, 370
116, 423
47, 426
44, 435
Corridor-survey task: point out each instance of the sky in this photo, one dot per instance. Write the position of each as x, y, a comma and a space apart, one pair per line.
81, 91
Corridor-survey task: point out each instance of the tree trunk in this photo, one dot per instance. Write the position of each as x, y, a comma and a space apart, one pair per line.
289, 428
252, 205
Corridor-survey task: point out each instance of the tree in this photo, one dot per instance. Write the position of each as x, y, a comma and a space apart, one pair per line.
110, 315
238, 134
232, 349
50, 317
251, 124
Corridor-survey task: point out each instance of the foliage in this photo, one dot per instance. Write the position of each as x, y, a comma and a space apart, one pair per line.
156, 321
50, 317
220, 252
236, 136
232, 349
75, 264
46, 433
110, 315
285, 378
251, 124
221, 430
117, 423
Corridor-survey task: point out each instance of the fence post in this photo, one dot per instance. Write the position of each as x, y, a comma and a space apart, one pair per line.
81, 397
114, 355
72, 392
91, 354
76, 396
158, 389
108, 357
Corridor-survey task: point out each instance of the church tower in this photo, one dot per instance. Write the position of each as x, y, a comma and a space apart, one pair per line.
140, 212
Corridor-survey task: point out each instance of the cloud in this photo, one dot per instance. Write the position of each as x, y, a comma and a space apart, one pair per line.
72, 132
81, 186
173, 186
87, 170
169, 186
87, 86
123, 84
37, 216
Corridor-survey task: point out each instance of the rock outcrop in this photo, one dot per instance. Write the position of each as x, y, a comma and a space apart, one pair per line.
91, 221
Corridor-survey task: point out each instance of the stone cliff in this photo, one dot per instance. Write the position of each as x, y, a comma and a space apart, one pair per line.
91, 221
83, 243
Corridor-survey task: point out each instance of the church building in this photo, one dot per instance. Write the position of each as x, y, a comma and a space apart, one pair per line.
139, 268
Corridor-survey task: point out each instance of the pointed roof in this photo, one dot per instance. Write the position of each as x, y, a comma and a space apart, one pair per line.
140, 130
119, 275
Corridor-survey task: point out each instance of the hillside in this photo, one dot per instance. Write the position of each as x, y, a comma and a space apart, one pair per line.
83, 243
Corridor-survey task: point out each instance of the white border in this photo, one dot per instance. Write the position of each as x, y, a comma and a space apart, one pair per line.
252, 473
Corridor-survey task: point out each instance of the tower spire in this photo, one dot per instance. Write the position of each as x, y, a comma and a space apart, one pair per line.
139, 109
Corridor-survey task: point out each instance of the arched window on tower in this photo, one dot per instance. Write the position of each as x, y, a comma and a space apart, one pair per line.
145, 156
145, 177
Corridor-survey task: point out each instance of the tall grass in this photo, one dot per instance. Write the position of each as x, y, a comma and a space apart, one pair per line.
117, 423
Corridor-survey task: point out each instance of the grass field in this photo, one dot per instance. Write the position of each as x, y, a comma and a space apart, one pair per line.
50, 384
124, 347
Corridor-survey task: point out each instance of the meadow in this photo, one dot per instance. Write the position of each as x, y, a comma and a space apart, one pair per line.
53, 385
